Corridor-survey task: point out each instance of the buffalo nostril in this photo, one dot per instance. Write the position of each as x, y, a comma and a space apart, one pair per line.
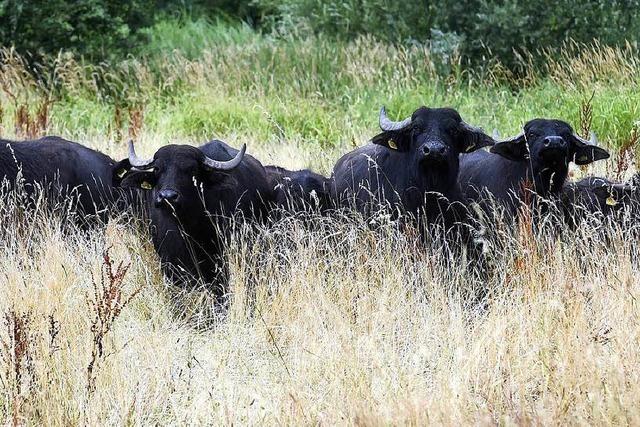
168, 196
436, 150
546, 142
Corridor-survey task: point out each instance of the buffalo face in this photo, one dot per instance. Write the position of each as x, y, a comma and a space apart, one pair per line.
175, 176
432, 138
549, 145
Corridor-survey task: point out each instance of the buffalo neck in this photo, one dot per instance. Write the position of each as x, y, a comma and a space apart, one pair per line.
545, 182
8, 161
441, 180
550, 181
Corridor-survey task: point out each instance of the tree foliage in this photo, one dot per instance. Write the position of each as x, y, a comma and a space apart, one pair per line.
95, 28
486, 28
476, 29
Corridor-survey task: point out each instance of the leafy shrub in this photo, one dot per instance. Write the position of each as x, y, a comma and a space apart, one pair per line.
95, 28
500, 27
392, 21
489, 29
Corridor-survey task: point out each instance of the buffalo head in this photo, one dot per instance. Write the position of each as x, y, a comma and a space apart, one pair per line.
175, 175
432, 137
550, 145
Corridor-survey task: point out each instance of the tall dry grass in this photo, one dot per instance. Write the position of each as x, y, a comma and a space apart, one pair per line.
329, 322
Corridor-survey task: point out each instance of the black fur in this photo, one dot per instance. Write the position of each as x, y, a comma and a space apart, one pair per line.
189, 231
600, 197
66, 170
533, 167
394, 170
299, 191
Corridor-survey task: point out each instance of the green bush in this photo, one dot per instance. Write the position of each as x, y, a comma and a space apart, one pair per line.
97, 29
499, 28
487, 29
387, 20
466, 31
244, 10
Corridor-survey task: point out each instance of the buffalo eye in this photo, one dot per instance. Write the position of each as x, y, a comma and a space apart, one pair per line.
146, 185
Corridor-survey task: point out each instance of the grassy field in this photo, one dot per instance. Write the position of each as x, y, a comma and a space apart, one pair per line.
329, 322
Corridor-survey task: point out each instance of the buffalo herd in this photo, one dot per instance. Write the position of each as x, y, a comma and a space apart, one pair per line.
430, 169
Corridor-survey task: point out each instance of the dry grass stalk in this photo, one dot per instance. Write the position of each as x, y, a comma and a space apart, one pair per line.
586, 116
31, 126
626, 154
18, 355
109, 299
136, 121
115, 128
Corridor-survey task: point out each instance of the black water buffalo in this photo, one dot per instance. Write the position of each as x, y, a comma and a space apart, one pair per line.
411, 167
600, 198
532, 166
70, 174
300, 190
193, 195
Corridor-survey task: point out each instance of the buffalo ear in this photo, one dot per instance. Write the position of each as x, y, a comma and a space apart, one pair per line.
585, 154
613, 194
393, 140
138, 179
513, 149
120, 170
476, 139
604, 192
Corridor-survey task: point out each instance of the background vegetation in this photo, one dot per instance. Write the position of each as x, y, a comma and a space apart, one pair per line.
328, 321
480, 31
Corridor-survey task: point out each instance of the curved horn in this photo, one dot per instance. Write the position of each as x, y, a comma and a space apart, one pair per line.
226, 165
593, 140
134, 160
389, 125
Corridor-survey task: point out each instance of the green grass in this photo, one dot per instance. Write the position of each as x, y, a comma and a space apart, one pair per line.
199, 79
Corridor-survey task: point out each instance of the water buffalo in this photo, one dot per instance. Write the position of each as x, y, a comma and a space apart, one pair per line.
411, 167
532, 166
299, 191
600, 198
193, 195
69, 173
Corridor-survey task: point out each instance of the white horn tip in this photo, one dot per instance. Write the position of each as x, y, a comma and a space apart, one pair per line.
593, 139
496, 134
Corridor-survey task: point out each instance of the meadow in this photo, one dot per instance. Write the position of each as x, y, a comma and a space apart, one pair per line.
329, 321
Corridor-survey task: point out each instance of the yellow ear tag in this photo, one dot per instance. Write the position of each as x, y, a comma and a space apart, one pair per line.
393, 144
611, 201
583, 159
145, 185
471, 147
121, 173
